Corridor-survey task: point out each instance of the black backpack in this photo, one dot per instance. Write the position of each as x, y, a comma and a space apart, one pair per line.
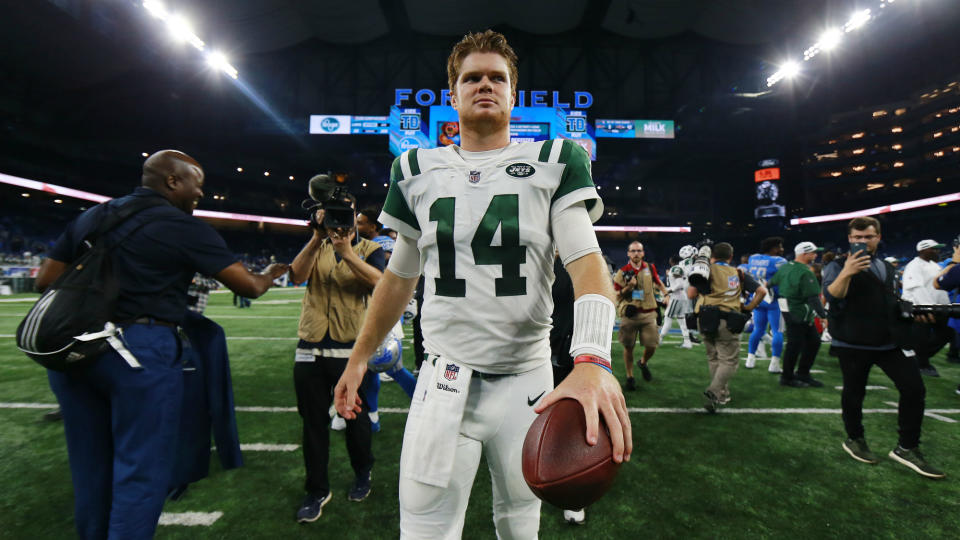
70, 326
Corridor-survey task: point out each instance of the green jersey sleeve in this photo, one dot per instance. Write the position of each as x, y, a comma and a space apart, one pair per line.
576, 182
396, 211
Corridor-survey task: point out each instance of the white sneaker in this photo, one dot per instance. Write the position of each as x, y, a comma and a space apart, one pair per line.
826, 337
775, 365
575, 517
751, 361
385, 378
338, 423
687, 345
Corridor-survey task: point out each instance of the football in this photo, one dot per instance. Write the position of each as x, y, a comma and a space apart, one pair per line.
558, 464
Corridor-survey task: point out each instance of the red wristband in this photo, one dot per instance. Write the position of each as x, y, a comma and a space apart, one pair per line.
590, 359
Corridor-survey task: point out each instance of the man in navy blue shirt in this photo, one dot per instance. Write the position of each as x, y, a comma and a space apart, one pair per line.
121, 421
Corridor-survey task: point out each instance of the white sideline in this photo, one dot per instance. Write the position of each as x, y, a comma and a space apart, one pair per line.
638, 410
869, 387
264, 447
931, 414
189, 519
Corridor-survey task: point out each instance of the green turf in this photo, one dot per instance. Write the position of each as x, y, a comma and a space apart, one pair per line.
692, 475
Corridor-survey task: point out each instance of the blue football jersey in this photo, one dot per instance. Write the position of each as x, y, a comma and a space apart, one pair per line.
763, 267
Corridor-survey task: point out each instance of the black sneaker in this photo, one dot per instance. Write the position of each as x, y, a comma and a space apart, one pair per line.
793, 382
631, 384
914, 459
858, 450
710, 402
312, 507
695, 339
810, 381
645, 371
361, 488
958, 389
55, 415
929, 371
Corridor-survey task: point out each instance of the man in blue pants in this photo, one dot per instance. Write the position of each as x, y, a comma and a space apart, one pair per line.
121, 419
762, 266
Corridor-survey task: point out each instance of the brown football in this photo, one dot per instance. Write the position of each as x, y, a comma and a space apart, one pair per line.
558, 464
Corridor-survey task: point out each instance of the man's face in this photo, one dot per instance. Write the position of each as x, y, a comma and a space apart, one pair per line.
930, 254
186, 187
868, 236
483, 94
807, 258
778, 251
366, 227
635, 253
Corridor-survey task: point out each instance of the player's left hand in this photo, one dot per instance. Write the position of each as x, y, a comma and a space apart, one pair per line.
346, 398
599, 393
341, 239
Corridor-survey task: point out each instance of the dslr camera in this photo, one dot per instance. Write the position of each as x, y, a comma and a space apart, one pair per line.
699, 273
334, 200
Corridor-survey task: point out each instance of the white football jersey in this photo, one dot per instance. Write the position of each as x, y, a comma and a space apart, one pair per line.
486, 245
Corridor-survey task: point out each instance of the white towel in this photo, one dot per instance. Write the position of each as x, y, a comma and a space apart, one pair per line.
433, 425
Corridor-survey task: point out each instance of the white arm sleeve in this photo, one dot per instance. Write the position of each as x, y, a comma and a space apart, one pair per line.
405, 261
572, 232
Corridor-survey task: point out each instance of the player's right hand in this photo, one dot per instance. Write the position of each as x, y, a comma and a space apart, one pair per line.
345, 396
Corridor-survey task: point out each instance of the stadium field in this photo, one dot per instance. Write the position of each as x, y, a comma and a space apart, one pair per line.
768, 466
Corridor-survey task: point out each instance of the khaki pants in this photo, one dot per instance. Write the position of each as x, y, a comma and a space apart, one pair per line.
723, 356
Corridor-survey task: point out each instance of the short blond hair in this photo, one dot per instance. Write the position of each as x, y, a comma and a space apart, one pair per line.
489, 41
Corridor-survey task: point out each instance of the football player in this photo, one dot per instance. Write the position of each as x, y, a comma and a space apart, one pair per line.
480, 220
762, 266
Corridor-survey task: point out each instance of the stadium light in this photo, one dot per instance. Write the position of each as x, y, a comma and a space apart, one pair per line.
157, 9
830, 39
909, 205
857, 20
788, 70
218, 61
181, 30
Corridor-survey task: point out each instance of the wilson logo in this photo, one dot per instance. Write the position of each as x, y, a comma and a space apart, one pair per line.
520, 170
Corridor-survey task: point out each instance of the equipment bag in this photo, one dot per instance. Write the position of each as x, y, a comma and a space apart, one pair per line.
70, 326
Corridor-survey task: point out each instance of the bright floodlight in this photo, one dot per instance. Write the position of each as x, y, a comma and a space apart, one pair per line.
218, 61
857, 20
182, 31
830, 39
156, 9
790, 69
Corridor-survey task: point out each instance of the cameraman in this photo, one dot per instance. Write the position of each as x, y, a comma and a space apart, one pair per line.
637, 307
949, 280
722, 316
861, 290
342, 269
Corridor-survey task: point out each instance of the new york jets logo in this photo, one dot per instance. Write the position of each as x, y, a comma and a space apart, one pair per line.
520, 170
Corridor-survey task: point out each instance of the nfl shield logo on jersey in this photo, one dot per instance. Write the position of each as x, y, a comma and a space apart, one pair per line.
450, 373
733, 282
474, 177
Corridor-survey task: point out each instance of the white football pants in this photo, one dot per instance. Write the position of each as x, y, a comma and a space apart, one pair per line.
496, 418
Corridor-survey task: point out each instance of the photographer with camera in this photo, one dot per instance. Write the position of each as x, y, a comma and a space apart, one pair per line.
722, 316
949, 280
865, 320
918, 277
343, 270
637, 307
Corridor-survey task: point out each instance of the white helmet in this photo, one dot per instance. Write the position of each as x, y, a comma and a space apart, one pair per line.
687, 251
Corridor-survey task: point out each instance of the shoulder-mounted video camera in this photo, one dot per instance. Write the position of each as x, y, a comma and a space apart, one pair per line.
333, 199
908, 310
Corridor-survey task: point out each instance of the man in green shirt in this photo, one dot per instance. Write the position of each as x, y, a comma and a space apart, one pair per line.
799, 297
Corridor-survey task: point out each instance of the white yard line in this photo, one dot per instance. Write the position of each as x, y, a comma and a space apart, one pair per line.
930, 413
190, 519
637, 410
870, 387
264, 447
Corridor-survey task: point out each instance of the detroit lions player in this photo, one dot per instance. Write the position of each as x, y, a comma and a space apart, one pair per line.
480, 222
763, 266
